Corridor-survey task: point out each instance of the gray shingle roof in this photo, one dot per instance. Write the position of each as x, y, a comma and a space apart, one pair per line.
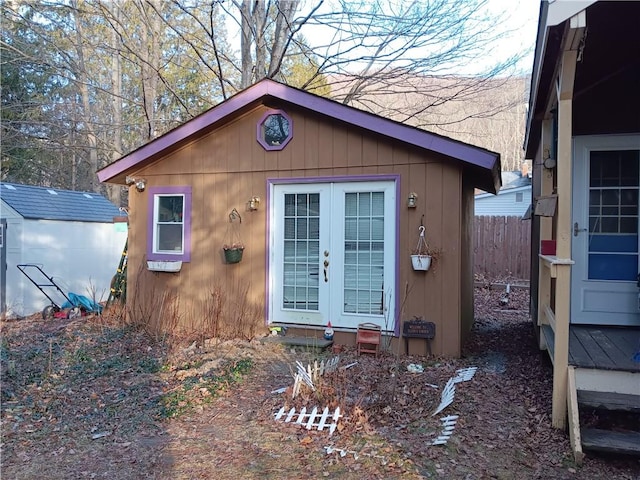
54, 204
515, 180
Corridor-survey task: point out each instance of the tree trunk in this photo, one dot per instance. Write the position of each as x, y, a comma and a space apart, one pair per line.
113, 192
83, 85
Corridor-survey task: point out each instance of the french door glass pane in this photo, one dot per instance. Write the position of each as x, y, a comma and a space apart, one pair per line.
301, 251
364, 252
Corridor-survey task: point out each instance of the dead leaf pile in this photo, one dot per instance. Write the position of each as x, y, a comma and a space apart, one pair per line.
85, 399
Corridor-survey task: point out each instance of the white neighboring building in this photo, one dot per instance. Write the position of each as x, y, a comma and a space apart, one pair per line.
513, 199
75, 237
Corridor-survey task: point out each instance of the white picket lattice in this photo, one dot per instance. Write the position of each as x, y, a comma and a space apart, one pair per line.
310, 375
448, 393
448, 424
320, 420
465, 374
449, 390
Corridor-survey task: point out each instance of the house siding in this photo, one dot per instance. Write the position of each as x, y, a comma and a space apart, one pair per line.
227, 167
503, 204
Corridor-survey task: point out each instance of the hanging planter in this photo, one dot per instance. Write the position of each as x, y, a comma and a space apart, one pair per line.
423, 256
421, 262
235, 248
233, 254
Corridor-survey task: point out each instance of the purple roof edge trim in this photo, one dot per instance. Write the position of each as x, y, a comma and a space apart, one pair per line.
375, 123
184, 131
411, 135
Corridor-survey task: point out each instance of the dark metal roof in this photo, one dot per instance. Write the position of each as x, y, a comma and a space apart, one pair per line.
483, 166
514, 179
44, 203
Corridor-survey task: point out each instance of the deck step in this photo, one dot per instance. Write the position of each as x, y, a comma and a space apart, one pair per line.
626, 443
609, 401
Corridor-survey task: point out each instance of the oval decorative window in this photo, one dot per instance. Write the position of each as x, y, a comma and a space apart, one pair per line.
275, 130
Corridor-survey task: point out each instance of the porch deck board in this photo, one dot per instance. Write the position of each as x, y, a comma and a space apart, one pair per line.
602, 347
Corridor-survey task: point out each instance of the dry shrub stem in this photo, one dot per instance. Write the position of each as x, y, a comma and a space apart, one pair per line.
219, 315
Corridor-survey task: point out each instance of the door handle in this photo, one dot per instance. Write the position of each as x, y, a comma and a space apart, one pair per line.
577, 230
326, 265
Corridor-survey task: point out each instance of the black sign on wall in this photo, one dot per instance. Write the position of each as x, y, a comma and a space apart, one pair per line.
418, 328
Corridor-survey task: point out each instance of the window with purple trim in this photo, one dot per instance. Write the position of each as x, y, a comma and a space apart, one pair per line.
169, 223
275, 130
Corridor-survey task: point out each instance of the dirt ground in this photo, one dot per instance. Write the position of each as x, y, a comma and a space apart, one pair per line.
87, 398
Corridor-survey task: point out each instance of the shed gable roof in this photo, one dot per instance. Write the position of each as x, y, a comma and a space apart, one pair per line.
483, 164
42, 203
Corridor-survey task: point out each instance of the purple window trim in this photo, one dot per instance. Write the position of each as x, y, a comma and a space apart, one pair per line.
337, 179
260, 132
186, 255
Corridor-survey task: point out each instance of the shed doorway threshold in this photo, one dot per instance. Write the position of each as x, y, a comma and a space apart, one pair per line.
296, 341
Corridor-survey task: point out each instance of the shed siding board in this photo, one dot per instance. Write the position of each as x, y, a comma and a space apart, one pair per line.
451, 234
284, 159
355, 147
428, 296
245, 150
318, 148
414, 291
311, 144
325, 137
339, 141
467, 262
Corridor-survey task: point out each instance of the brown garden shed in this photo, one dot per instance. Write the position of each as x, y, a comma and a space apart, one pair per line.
327, 201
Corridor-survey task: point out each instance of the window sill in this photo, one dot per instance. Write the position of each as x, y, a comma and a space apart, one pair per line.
164, 266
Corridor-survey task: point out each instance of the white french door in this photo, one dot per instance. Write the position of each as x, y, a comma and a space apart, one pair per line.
332, 254
605, 242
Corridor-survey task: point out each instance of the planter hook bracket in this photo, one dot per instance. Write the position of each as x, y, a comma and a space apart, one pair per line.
234, 214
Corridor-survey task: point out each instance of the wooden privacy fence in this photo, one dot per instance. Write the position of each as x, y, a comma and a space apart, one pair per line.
502, 247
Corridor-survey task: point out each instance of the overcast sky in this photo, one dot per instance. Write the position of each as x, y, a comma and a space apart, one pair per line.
523, 20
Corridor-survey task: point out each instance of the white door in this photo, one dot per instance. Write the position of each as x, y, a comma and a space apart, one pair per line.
332, 254
604, 279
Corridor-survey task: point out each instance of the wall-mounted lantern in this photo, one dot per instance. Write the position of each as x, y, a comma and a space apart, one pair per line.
253, 203
412, 201
140, 183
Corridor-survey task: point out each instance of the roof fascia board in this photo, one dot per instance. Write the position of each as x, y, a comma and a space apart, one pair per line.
562, 10
389, 128
182, 132
410, 135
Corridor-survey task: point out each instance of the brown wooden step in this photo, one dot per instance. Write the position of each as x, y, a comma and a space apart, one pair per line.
609, 441
609, 401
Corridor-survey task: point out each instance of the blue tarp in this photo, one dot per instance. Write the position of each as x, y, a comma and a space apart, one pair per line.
82, 302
